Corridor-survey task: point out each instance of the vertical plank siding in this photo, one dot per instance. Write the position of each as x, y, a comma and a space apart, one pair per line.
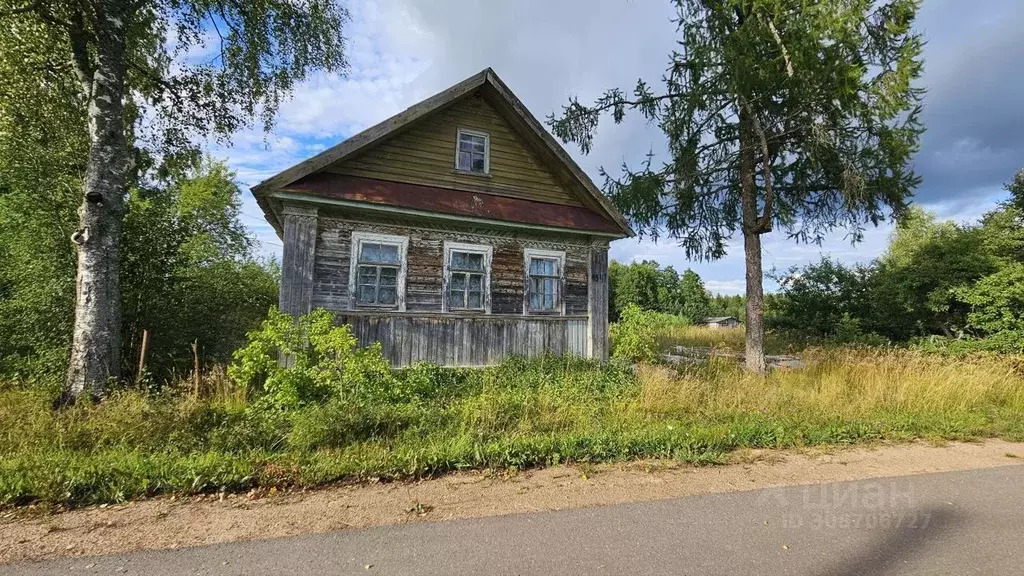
467, 341
423, 333
298, 260
598, 303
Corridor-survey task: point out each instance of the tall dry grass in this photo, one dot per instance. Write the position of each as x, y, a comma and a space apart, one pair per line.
730, 339
846, 383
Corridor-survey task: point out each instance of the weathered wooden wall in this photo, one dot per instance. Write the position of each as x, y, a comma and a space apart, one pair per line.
598, 327
467, 340
297, 261
425, 154
425, 266
423, 332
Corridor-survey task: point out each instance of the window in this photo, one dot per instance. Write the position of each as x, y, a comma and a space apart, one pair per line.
473, 152
378, 270
467, 277
544, 280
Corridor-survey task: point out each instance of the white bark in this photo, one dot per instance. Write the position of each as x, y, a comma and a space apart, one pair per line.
96, 342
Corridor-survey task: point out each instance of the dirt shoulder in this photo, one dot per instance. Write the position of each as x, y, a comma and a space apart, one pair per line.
173, 523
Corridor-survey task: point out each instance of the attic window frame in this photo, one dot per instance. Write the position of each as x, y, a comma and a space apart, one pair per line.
487, 151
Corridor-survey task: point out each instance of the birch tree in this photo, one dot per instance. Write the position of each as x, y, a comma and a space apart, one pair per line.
783, 115
145, 96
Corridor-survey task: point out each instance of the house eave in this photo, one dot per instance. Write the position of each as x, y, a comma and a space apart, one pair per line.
366, 207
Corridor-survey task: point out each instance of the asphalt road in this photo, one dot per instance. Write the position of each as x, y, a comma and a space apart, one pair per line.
954, 523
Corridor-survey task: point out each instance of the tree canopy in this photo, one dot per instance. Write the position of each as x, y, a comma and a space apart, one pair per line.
778, 114
122, 91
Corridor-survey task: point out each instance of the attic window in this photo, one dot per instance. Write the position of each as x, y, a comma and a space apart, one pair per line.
473, 152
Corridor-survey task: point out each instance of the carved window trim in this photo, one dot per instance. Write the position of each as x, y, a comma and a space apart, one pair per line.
360, 238
488, 253
557, 255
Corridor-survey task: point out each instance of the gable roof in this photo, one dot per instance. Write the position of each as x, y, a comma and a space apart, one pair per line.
514, 109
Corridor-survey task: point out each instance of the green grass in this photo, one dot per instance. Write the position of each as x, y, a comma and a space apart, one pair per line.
521, 414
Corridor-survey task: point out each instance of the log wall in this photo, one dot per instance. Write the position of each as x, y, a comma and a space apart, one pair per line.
424, 332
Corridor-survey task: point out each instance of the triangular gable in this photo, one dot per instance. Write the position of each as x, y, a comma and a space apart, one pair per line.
355, 155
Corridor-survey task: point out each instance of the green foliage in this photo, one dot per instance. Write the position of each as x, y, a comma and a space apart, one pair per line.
638, 335
647, 285
734, 305
997, 301
189, 274
693, 299
819, 98
633, 337
324, 362
818, 300
935, 278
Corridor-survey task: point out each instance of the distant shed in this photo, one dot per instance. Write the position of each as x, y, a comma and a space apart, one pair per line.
722, 322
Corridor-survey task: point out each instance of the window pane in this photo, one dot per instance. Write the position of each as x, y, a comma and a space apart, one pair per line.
543, 267
466, 144
369, 252
465, 161
386, 295
388, 276
388, 253
458, 282
367, 275
478, 145
478, 163
366, 294
534, 300
549, 301
476, 282
467, 261
473, 300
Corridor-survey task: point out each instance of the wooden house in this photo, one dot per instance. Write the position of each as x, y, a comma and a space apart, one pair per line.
457, 232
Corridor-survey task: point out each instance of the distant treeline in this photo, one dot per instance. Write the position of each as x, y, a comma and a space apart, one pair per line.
652, 287
961, 282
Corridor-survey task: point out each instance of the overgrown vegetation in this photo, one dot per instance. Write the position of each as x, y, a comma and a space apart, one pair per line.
189, 272
941, 286
523, 413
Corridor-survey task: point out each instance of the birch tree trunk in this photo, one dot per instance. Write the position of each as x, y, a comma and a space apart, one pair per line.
755, 361
96, 341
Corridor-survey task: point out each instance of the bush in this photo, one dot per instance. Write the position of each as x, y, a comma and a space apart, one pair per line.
324, 362
634, 336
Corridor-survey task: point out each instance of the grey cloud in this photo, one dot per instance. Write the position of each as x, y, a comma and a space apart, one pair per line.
973, 109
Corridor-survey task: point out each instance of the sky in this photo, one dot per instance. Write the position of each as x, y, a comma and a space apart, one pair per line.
402, 51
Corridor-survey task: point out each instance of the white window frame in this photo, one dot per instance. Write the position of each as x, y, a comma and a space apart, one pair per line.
488, 253
530, 253
487, 150
360, 238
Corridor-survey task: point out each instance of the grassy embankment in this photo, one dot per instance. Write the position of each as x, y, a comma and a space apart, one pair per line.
516, 415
